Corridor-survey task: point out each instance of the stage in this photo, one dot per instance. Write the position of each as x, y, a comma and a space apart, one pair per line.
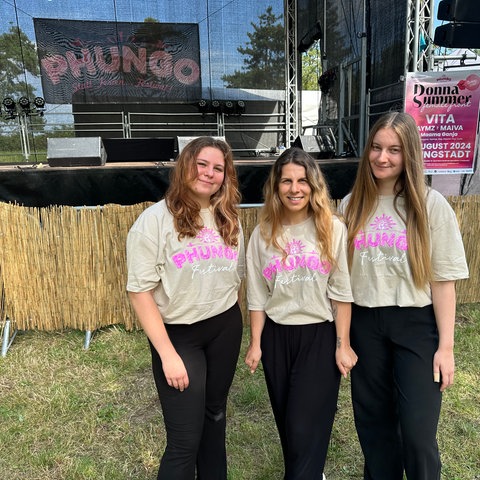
40, 185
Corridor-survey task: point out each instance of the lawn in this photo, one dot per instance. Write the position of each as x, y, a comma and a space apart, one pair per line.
73, 414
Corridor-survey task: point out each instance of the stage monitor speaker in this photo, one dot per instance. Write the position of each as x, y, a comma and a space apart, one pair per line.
76, 152
318, 146
182, 141
459, 11
458, 35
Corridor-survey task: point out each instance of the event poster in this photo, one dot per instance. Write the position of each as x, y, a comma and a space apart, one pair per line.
445, 106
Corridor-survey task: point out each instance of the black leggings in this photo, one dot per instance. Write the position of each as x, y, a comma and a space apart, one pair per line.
195, 418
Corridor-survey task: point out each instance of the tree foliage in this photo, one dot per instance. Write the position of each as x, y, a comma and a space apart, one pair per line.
18, 59
264, 58
264, 55
311, 67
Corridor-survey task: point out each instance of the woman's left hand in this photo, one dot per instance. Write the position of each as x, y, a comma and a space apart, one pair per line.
444, 368
346, 359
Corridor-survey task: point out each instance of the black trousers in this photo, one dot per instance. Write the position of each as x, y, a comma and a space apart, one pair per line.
396, 403
195, 418
303, 383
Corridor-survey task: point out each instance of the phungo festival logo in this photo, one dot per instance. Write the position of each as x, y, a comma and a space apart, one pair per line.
382, 234
296, 259
208, 248
84, 60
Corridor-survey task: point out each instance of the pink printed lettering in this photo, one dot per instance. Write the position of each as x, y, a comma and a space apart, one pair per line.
55, 66
113, 66
161, 64
187, 71
129, 58
78, 64
179, 259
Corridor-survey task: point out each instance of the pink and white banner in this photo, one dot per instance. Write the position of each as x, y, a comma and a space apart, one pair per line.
445, 106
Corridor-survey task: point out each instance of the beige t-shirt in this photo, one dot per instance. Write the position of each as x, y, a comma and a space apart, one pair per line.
298, 290
381, 274
194, 278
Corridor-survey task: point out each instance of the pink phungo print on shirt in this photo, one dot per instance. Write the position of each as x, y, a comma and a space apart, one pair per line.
208, 247
296, 259
382, 234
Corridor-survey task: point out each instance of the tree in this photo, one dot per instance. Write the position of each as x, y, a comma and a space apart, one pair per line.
18, 58
311, 67
264, 62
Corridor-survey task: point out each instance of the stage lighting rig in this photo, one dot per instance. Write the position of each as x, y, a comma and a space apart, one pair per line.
23, 108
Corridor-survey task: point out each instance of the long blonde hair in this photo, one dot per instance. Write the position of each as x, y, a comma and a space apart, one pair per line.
410, 185
224, 202
320, 203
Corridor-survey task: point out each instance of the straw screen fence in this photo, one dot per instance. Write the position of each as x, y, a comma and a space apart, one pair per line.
64, 267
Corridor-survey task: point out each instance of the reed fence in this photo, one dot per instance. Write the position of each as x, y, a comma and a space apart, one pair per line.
64, 267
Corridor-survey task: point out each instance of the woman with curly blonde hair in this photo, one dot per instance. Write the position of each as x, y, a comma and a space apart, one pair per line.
185, 259
405, 253
299, 300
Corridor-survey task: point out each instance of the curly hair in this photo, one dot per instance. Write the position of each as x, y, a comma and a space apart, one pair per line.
411, 186
224, 202
320, 203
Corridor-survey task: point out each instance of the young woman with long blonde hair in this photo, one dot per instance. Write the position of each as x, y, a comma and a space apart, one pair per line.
405, 253
299, 297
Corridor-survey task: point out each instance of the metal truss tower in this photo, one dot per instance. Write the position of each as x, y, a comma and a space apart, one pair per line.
292, 68
419, 44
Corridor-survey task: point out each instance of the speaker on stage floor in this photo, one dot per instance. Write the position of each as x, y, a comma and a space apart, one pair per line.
318, 146
76, 152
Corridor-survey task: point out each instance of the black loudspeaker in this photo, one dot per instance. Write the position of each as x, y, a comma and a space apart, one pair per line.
458, 35
318, 146
76, 152
459, 10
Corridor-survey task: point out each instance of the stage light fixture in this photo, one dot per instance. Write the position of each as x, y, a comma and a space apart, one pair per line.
216, 106
24, 103
39, 102
9, 104
240, 107
228, 107
203, 106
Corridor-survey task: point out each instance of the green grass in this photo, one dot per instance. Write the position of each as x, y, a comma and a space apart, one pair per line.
73, 414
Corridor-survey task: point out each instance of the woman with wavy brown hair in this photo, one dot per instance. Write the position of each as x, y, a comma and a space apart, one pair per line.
185, 260
299, 300
405, 254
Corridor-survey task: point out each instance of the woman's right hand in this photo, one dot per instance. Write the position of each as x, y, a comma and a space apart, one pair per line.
175, 371
253, 356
